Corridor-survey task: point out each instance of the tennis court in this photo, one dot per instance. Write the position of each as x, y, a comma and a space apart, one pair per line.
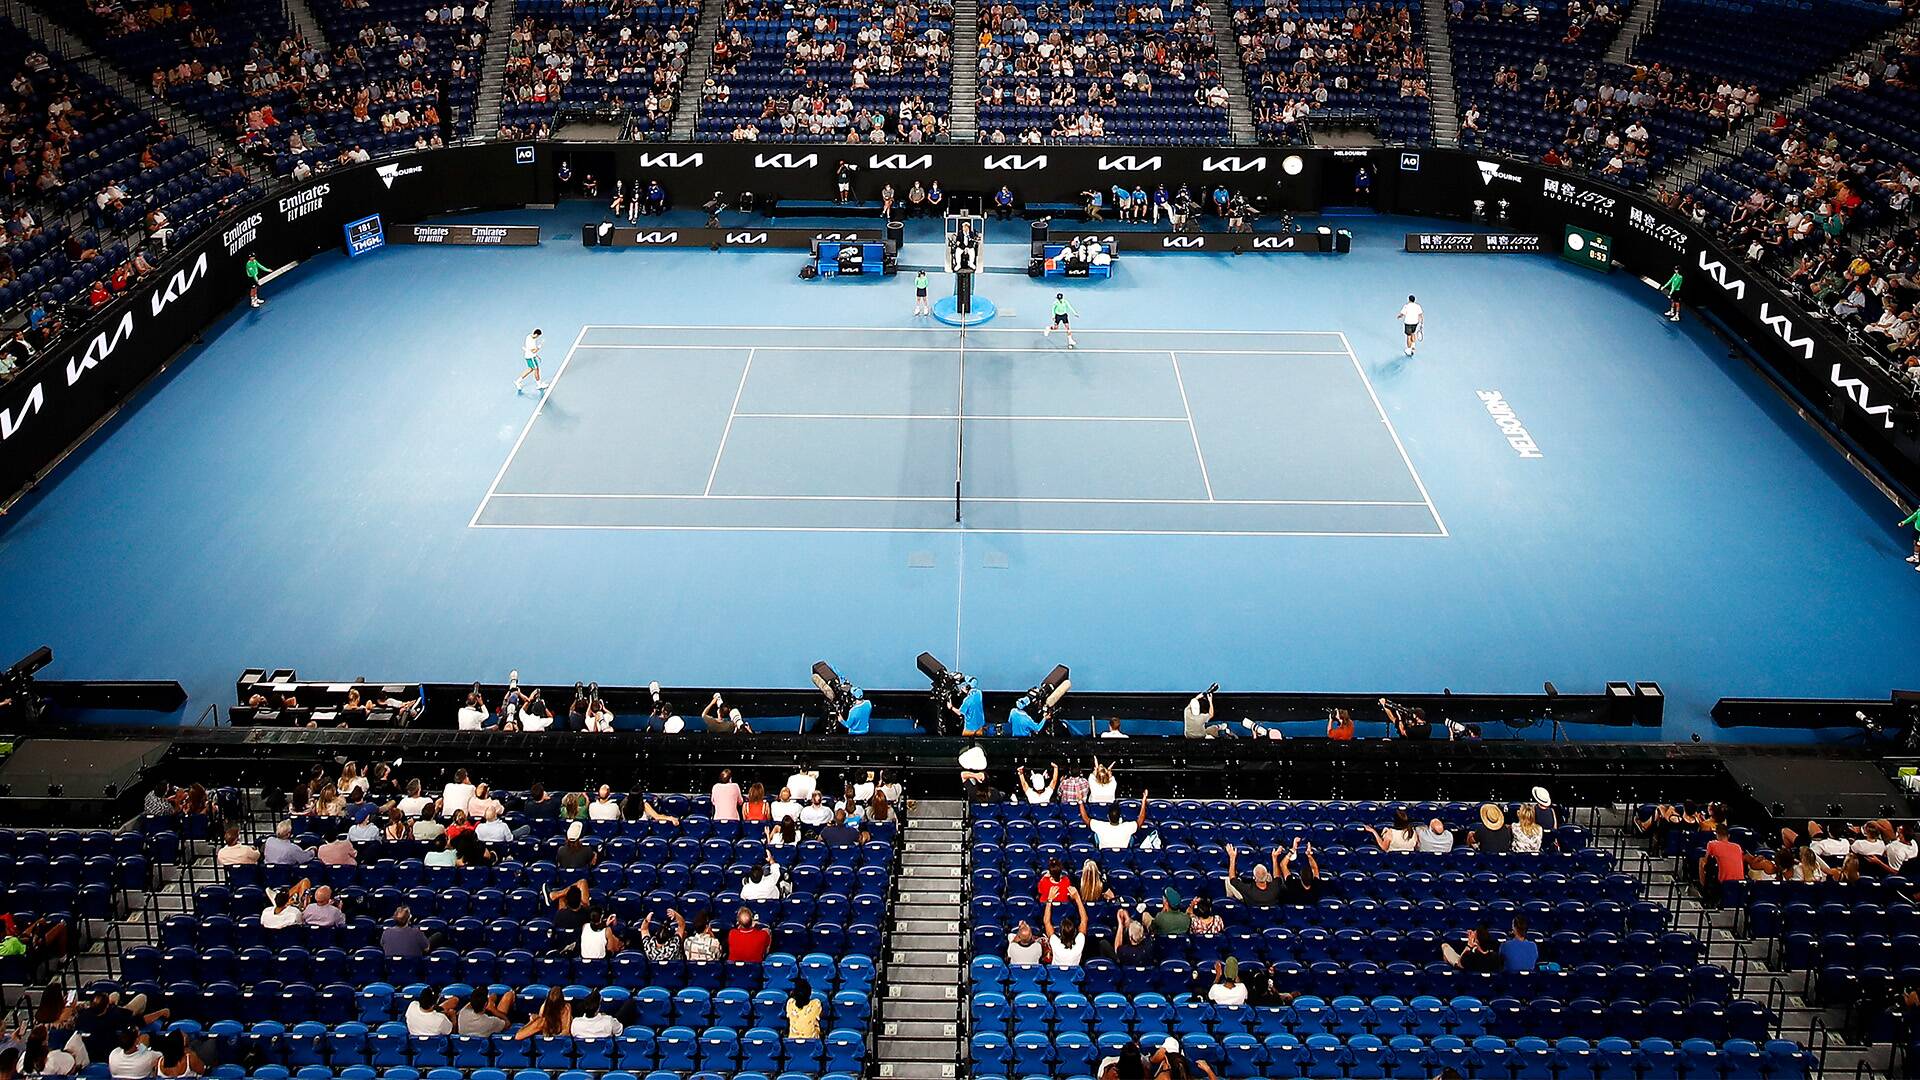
865, 429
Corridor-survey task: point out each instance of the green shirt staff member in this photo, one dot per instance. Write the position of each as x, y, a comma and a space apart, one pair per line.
1672, 289
1913, 520
254, 269
921, 306
1061, 310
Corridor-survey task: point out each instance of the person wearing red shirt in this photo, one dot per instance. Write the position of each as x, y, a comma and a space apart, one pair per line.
1340, 725
98, 296
1726, 856
748, 941
1055, 885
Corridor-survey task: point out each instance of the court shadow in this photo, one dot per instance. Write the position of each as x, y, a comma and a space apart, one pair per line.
1392, 367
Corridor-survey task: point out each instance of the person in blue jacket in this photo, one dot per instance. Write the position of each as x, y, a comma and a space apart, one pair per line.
973, 711
1020, 722
860, 713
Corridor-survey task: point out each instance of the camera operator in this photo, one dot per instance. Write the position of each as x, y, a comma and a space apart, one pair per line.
727, 721
1020, 721
1407, 723
1197, 719
970, 710
1091, 201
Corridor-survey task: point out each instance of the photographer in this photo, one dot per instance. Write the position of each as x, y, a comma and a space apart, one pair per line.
1091, 201
713, 207
1197, 719
1407, 723
727, 721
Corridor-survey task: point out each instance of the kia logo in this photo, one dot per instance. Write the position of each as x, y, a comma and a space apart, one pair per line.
1129, 163
1016, 163
786, 161
746, 238
1183, 241
1233, 164
899, 161
656, 238
1275, 243
672, 161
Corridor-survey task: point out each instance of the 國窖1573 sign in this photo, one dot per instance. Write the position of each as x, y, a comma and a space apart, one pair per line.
1590, 249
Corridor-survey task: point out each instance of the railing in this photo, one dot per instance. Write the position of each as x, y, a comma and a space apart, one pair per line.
1818, 1040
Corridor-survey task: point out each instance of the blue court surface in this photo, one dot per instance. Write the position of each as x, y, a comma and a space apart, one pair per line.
1236, 476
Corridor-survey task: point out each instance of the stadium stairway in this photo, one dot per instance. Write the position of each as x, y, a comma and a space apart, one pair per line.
1751, 963
1445, 98
963, 100
699, 62
64, 46
308, 26
1233, 75
919, 1017
1730, 146
493, 73
1629, 34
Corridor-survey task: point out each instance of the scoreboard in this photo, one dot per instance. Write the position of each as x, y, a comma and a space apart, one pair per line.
365, 235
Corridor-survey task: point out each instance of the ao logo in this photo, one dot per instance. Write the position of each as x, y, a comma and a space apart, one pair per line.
1016, 163
1129, 163
1233, 164
899, 161
672, 161
785, 161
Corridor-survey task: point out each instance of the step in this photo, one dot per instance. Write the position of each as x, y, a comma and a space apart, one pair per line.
900, 1050
931, 943
914, 958
909, 1010
923, 848
917, 1070
937, 980
942, 896
907, 927
914, 874
919, 1029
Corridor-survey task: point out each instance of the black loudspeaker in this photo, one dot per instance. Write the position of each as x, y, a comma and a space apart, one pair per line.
588, 237
896, 235
1653, 703
1342, 241
1041, 229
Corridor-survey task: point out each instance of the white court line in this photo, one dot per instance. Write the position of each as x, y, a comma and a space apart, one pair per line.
950, 330
951, 416
991, 350
1411, 471
732, 410
957, 530
1191, 430
551, 387
615, 495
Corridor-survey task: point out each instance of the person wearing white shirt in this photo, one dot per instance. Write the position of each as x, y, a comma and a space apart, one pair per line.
427, 1015
474, 714
603, 808
801, 785
456, 795
590, 1023
816, 813
1114, 834
1038, 787
597, 939
762, 882
1067, 941
133, 1059
280, 914
493, 830
1023, 947
1413, 319
1832, 849
1102, 785
1899, 849
1227, 989
1113, 729
783, 807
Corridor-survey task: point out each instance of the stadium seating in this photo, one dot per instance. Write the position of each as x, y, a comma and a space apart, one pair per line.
880, 72
1104, 71
1618, 993
1315, 62
622, 56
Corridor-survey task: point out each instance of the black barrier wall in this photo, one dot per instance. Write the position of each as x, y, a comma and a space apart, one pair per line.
62, 396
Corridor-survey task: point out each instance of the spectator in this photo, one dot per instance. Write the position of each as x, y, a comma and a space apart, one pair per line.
280, 850
284, 910
803, 1011
321, 911
1477, 954
1340, 725
662, 943
456, 795
133, 1059
1301, 884
1066, 942
1038, 787
748, 941
554, 1018
1054, 883
235, 853
1093, 886
485, 1014
1436, 838
1227, 989
404, 940
429, 1014
1262, 888
593, 1022
1114, 834
1024, 946
1528, 837
599, 938
1493, 836
575, 855
1400, 836
763, 881
1724, 860
1519, 954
